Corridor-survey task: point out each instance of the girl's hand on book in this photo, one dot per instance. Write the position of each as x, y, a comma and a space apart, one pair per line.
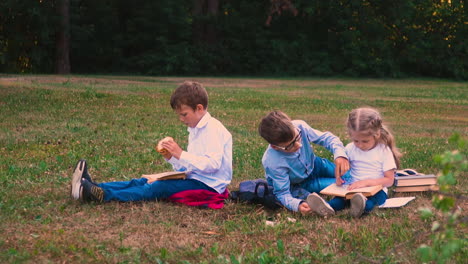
359, 184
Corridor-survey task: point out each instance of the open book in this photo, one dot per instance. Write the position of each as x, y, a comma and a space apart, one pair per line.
397, 202
343, 191
170, 175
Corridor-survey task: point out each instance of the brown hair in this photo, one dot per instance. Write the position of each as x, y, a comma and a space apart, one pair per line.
276, 127
190, 94
369, 120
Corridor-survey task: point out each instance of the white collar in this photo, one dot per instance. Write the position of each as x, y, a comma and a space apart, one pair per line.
203, 121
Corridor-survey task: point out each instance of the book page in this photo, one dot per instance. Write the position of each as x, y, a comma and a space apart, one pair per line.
334, 189
342, 190
165, 176
170, 173
397, 202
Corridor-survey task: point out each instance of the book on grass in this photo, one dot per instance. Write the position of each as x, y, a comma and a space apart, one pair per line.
420, 188
415, 180
343, 191
170, 175
397, 202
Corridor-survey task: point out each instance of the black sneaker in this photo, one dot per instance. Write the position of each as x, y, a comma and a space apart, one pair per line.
90, 192
78, 172
85, 172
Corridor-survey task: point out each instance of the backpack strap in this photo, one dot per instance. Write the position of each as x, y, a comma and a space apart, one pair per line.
265, 187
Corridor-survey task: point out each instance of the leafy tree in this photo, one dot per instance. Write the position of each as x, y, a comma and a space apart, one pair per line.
378, 38
27, 36
446, 241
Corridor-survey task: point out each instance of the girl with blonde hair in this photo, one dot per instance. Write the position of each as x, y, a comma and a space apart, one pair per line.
373, 158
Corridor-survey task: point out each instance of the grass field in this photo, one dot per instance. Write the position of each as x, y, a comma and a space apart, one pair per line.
47, 123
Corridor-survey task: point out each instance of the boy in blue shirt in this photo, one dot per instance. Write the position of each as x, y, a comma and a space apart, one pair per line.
207, 161
290, 164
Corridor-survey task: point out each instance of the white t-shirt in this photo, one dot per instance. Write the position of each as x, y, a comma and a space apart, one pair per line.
369, 164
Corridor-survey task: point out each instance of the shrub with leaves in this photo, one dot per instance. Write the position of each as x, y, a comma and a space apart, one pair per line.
447, 240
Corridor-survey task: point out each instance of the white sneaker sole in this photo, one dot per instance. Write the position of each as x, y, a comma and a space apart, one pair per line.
319, 205
76, 180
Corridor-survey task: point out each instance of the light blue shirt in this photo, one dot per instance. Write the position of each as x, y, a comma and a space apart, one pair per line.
209, 154
285, 169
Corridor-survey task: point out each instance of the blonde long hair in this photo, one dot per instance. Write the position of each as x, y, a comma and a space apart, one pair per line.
369, 120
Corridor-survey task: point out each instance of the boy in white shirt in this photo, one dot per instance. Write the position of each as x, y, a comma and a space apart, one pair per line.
207, 161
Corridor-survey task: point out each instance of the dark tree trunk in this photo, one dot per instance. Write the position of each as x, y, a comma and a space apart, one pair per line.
62, 46
197, 23
210, 28
204, 28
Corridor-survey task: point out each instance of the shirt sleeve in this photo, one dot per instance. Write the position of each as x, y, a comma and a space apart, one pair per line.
327, 140
205, 155
176, 165
208, 163
282, 188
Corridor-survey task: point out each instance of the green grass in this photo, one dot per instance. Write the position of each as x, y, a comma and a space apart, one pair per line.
47, 123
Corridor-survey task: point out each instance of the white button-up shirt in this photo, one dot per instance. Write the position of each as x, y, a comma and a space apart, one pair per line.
209, 154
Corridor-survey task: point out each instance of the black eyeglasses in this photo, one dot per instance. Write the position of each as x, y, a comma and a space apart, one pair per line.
290, 145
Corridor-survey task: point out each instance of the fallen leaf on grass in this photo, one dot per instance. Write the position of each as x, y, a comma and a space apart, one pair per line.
271, 223
210, 233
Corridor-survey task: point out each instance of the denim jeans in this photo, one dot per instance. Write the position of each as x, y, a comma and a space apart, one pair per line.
322, 176
140, 190
339, 203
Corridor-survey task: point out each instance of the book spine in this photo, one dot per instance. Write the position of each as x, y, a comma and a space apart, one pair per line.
422, 188
422, 176
415, 182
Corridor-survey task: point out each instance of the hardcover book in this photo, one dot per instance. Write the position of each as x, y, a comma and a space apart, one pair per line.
415, 180
343, 191
420, 188
170, 175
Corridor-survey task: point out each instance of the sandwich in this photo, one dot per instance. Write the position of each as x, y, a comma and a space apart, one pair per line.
160, 148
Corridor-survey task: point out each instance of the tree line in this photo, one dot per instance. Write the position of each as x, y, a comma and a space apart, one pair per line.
357, 38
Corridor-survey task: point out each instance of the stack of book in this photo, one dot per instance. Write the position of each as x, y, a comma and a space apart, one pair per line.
415, 183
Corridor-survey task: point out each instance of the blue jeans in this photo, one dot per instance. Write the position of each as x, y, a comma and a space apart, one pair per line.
140, 190
322, 176
339, 203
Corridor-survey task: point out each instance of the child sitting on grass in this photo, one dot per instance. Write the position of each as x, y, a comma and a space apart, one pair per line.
374, 159
207, 161
290, 164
